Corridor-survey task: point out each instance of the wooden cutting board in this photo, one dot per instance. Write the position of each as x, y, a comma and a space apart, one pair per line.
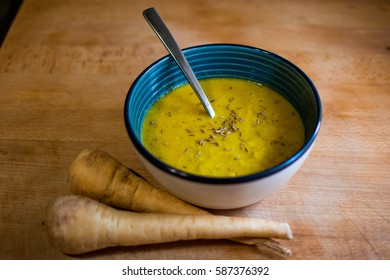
65, 69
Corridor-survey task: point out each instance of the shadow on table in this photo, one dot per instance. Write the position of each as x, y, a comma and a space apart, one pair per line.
8, 10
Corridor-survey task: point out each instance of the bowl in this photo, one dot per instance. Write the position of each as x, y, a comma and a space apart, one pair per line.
223, 60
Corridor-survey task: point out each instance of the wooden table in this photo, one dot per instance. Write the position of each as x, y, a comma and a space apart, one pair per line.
66, 66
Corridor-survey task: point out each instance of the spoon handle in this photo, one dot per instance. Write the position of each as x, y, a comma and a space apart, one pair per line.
163, 33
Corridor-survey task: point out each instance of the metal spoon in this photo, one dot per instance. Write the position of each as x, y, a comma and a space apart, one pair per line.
162, 31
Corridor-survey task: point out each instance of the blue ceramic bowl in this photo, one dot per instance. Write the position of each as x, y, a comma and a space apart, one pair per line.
223, 60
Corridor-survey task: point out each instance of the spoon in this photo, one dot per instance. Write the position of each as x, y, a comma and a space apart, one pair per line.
162, 31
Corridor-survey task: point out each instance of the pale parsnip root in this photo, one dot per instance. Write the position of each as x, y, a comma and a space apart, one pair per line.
77, 224
98, 175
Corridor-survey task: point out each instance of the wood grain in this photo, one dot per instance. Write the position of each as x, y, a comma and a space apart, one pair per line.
66, 66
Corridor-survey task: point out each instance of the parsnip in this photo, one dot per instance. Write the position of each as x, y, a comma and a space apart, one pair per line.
77, 224
98, 175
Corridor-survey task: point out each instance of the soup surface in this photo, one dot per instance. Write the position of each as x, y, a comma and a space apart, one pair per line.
254, 129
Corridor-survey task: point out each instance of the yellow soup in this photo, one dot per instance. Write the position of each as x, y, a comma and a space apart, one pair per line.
255, 128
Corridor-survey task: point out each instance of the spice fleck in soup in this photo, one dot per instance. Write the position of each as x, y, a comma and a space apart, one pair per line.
255, 128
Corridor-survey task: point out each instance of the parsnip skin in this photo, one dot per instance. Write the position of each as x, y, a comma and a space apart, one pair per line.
77, 224
98, 175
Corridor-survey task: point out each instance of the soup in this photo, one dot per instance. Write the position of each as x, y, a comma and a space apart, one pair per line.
255, 128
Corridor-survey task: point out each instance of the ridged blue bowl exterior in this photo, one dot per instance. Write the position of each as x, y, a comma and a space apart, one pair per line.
223, 60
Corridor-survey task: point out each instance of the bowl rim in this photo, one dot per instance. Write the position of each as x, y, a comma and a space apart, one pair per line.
224, 180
